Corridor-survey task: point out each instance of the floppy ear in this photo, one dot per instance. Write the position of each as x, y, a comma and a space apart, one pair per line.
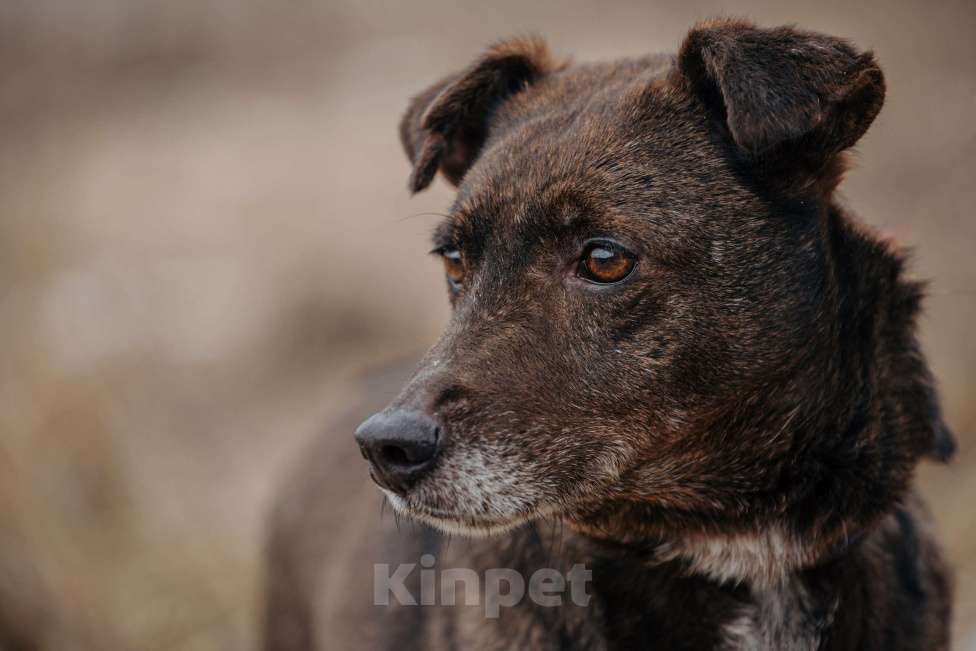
783, 94
446, 125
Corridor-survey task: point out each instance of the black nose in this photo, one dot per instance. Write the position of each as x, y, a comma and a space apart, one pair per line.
401, 445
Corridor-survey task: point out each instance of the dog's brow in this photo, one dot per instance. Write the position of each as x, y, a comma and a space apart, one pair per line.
573, 218
443, 235
452, 229
461, 220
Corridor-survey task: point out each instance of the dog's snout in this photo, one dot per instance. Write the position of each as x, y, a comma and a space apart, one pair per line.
401, 445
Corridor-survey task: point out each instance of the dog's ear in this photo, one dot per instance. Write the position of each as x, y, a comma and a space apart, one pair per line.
446, 125
784, 95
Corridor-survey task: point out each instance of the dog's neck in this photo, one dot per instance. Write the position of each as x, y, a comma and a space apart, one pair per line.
760, 558
867, 381
635, 592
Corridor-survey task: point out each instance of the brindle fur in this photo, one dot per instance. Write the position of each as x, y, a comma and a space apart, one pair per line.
728, 438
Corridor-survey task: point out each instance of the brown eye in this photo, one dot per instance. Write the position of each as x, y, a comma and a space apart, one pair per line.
606, 263
453, 267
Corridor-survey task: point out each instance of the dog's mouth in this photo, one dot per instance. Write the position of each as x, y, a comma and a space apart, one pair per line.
462, 523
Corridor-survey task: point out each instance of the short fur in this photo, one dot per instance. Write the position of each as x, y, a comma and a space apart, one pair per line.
729, 436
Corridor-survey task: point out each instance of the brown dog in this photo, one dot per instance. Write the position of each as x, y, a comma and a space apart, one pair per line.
673, 360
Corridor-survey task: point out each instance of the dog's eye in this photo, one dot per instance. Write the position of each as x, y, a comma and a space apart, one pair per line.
453, 267
606, 263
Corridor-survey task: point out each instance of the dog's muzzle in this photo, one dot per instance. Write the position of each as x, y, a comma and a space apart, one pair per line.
401, 447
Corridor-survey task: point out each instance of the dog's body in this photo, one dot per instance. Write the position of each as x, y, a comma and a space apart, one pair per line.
888, 592
669, 339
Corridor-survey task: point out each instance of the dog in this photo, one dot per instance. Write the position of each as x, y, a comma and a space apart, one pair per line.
674, 359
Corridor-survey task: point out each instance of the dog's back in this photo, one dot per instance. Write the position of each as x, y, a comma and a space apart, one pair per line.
326, 532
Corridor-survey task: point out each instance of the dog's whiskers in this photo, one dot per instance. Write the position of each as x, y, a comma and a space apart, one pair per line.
423, 214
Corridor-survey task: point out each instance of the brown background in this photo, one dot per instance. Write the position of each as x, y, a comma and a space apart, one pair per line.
205, 236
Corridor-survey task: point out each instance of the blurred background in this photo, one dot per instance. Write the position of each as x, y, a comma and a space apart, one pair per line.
205, 238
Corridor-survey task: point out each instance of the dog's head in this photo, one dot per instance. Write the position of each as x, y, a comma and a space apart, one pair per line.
663, 328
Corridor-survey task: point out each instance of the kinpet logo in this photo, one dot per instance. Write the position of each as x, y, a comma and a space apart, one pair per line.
498, 588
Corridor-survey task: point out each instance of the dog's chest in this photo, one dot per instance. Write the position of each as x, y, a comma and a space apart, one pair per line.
637, 619
785, 616
631, 605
